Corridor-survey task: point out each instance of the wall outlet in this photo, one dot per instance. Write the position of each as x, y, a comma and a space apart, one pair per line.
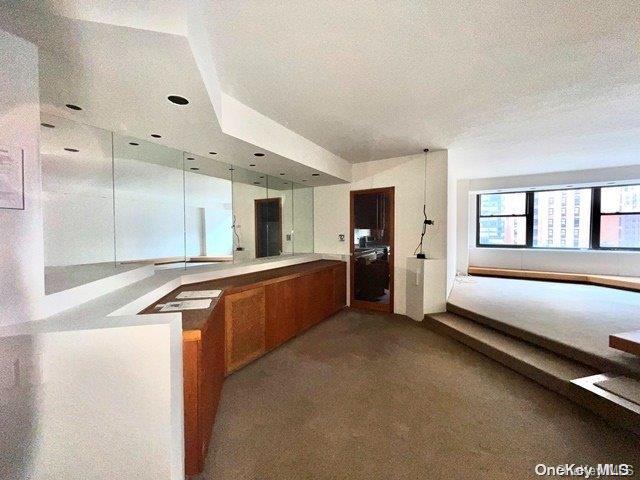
341, 237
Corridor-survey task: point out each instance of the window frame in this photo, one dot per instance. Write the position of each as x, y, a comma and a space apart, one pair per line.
594, 218
597, 214
528, 225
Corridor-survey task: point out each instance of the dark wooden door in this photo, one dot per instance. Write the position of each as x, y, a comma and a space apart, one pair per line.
372, 249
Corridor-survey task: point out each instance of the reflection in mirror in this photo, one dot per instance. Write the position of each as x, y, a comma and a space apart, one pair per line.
77, 203
302, 218
248, 186
277, 231
208, 212
149, 201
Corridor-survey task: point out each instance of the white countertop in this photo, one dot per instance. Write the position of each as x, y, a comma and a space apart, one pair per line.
120, 307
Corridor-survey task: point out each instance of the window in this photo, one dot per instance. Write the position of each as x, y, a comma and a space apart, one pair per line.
578, 218
619, 218
502, 219
563, 226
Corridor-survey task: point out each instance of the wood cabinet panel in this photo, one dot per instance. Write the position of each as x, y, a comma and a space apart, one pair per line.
212, 374
323, 294
280, 324
192, 442
244, 327
203, 374
306, 314
314, 298
339, 287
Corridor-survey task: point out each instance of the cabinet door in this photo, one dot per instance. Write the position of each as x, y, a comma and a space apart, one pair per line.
244, 327
305, 304
280, 317
324, 293
339, 287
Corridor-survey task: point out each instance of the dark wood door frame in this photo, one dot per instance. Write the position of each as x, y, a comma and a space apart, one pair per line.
361, 304
256, 204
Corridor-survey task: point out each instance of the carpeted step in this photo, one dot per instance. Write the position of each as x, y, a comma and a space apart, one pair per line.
596, 362
547, 368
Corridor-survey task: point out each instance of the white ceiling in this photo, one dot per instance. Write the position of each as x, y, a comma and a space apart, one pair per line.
504, 85
507, 87
121, 78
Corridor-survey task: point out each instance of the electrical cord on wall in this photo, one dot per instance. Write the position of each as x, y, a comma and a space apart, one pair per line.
426, 220
235, 233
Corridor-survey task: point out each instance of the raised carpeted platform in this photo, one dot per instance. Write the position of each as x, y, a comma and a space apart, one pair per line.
570, 319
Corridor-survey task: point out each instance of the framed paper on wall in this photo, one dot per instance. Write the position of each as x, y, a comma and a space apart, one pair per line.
11, 178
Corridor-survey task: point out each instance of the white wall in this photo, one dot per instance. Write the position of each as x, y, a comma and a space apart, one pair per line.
93, 404
303, 220
407, 175
21, 246
597, 262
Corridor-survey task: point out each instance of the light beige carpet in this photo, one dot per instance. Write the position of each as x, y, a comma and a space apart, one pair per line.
579, 316
381, 397
624, 387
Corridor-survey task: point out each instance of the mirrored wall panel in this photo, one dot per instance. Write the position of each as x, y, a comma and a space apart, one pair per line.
276, 219
112, 203
208, 212
149, 201
249, 188
77, 195
302, 218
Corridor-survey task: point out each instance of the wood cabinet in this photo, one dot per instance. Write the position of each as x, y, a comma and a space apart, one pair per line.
203, 367
244, 327
281, 324
256, 313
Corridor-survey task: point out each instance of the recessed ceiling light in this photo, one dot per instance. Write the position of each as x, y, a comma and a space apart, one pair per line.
155, 135
213, 153
252, 164
190, 158
259, 154
72, 106
195, 168
315, 174
177, 99
48, 125
74, 150
134, 144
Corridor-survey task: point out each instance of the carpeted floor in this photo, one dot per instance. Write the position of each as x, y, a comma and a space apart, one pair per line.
579, 316
365, 396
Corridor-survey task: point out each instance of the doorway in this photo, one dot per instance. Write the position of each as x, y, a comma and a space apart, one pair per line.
268, 212
372, 248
